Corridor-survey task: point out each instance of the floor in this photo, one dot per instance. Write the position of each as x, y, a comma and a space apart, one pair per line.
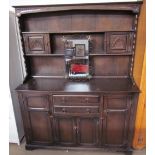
20, 150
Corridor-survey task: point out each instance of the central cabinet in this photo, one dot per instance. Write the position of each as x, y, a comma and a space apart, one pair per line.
79, 90
77, 119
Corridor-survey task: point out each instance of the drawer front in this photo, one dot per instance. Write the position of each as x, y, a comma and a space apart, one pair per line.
36, 43
79, 100
76, 109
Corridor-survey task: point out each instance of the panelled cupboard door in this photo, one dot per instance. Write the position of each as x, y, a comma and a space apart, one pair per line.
119, 42
88, 131
37, 120
40, 127
77, 131
65, 131
116, 120
36, 43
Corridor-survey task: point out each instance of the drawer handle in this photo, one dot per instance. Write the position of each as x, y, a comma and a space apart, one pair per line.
51, 116
86, 99
88, 110
74, 127
63, 110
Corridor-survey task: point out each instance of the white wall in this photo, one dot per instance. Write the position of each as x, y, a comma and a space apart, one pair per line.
16, 76
13, 133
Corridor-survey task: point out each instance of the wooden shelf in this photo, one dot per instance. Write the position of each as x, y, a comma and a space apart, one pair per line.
71, 32
91, 54
52, 55
110, 54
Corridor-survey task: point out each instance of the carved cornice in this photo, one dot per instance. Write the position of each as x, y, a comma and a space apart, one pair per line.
133, 7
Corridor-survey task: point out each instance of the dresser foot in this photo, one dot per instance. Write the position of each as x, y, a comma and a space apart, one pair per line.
29, 148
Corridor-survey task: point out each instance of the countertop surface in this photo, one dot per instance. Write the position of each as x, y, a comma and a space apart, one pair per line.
92, 85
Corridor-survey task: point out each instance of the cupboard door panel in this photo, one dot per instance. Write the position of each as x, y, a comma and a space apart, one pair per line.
87, 131
119, 42
65, 130
116, 122
36, 43
115, 128
41, 127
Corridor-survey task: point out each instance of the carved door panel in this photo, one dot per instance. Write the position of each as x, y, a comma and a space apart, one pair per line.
65, 131
36, 43
116, 120
88, 131
119, 42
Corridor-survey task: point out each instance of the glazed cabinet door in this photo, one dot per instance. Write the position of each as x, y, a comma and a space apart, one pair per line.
88, 131
37, 119
116, 120
65, 130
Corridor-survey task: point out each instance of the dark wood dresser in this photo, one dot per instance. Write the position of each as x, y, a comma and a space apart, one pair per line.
95, 113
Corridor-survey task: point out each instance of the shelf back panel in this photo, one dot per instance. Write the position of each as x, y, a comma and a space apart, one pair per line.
78, 21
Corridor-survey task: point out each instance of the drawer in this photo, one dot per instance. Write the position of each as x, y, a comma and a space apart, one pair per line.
76, 109
80, 100
36, 43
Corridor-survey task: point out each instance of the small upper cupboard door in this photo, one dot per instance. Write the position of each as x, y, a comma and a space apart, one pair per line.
119, 42
88, 131
65, 131
40, 127
116, 120
36, 43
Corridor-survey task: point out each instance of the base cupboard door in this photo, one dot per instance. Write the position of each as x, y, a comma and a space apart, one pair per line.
65, 131
116, 120
40, 127
36, 116
88, 131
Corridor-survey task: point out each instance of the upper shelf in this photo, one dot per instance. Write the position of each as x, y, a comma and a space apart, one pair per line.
91, 54
72, 32
46, 55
